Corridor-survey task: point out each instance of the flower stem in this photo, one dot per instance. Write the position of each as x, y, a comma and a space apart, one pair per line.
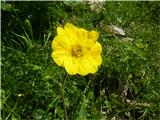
63, 101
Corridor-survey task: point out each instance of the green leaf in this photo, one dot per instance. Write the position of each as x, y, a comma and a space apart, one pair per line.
50, 71
28, 25
6, 7
38, 113
26, 40
82, 115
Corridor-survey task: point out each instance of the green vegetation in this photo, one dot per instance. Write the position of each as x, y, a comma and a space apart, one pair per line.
126, 85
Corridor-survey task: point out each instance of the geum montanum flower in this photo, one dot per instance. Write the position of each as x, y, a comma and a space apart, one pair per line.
77, 50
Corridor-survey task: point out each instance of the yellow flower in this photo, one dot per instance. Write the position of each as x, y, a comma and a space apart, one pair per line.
77, 50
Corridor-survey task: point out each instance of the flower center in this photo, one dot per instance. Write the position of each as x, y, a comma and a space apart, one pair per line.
76, 51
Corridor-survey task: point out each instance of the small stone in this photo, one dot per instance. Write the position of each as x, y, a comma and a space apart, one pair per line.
116, 30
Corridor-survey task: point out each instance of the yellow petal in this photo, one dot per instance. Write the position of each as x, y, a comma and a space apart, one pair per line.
71, 65
93, 35
86, 66
60, 43
55, 44
71, 31
95, 59
60, 31
66, 36
59, 57
70, 27
82, 35
96, 49
86, 38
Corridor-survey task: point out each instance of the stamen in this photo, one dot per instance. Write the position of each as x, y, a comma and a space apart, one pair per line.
76, 51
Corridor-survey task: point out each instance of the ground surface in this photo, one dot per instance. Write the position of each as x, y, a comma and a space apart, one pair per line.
126, 85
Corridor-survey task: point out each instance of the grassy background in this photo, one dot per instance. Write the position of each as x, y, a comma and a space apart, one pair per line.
126, 85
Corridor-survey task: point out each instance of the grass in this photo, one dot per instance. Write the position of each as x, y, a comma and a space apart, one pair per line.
126, 85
